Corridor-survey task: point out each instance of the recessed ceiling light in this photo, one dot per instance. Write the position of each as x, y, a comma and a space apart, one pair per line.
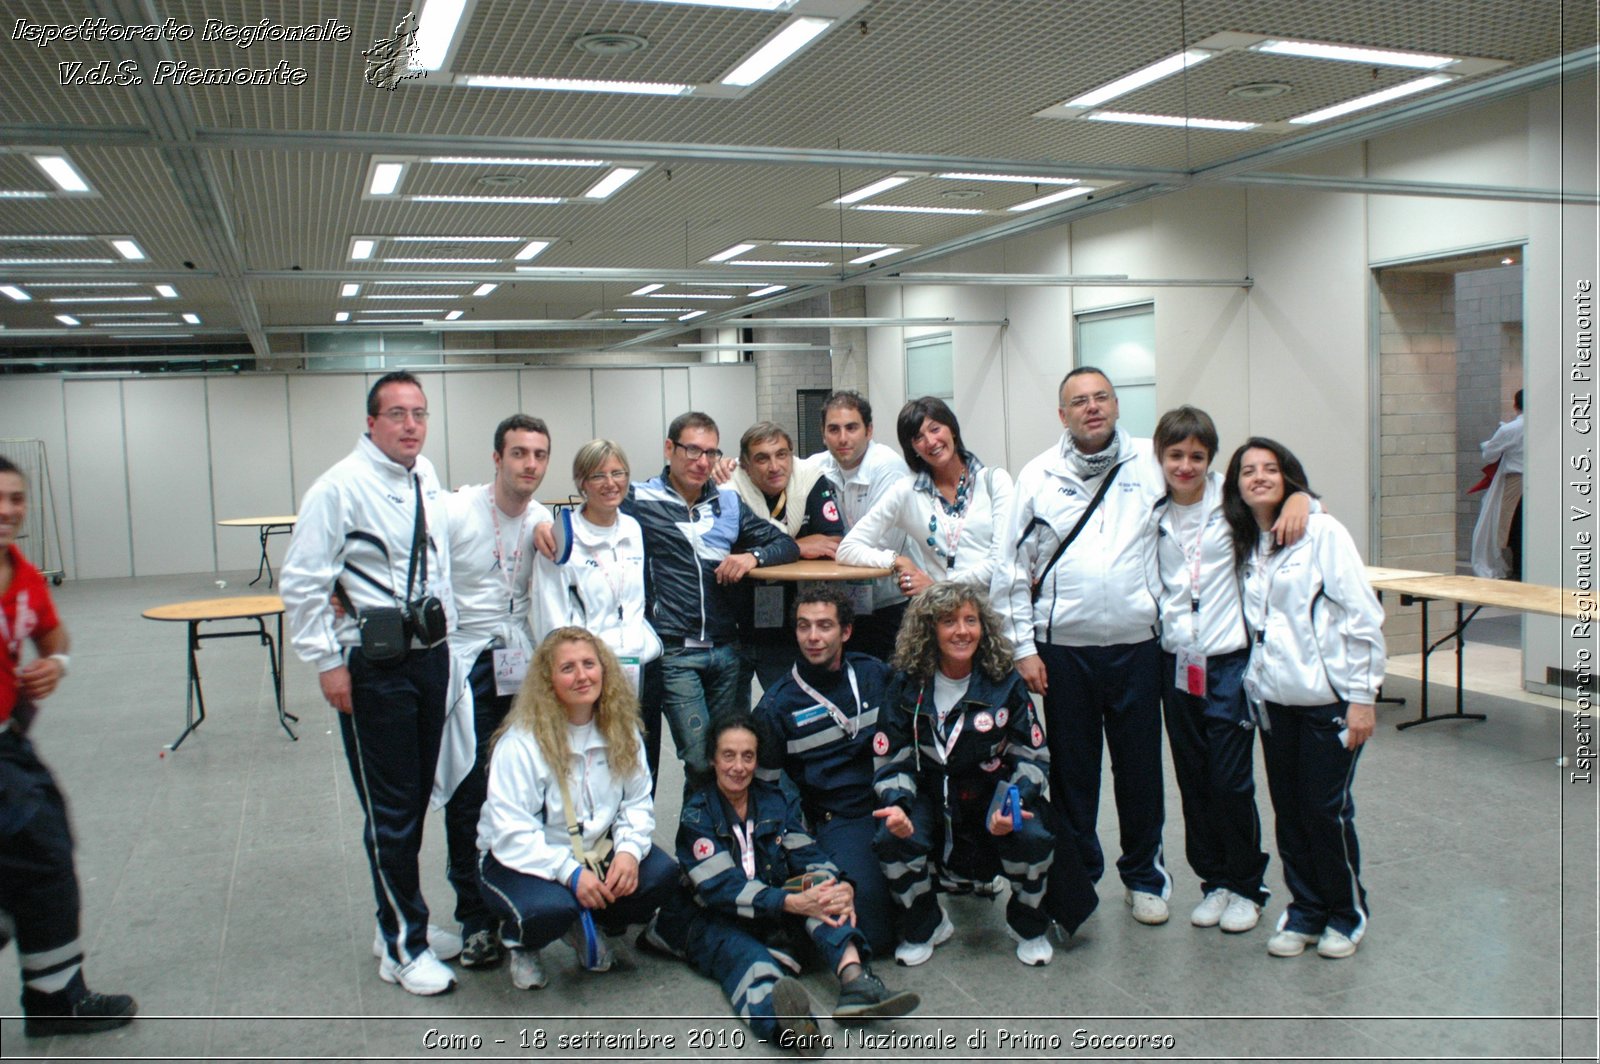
881, 253
644, 319
727, 253
897, 208
16, 293
453, 315
411, 310
610, 42
385, 178
827, 243
349, 290
456, 239
1260, 90
1346, 53
1178, 121
960, 194
767, 291
420, 295
445, 261
55, 262
646, 290
362, 248
531, 249
693, 314
747, 5
22, 193
866, 191
649, 310
802, 263
609, 184
1394, 92
525, 200
59, 169
1054, 197
67, 319
128, 249
1162, 68
343, 315
1508, 261
783, 45
501, 181
1013, 179
166, 291
192, 319
642, 88
506, 160
484, 289
436, 29
693, 295
103, 299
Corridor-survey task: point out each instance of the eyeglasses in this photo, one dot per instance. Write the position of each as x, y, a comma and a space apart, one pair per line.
1078, 402
398, 415
694, 454
618, 475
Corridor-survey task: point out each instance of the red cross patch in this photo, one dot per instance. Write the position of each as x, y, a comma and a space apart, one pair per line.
880, 744
703, 848
1036, 736
983, 722
830, 510
1001, 715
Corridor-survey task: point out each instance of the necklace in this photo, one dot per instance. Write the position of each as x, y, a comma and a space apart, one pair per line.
957, 510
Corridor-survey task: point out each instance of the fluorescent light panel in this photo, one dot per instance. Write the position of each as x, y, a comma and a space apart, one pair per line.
450, 262
22, 193
506, 160
526, 200
166, 291
343, 315
1054, 197
56, 262
457, 240
693, 314
362, 248
1162, 68
780, 263
484, 289
896, 208
606, 186
420, 295
1373, 99
103, 299
798, 33
694, 295
1178, 121
385, 178
59, 169
640, 88
67, 319
348, 290
867, 191
436, 28
828, 243
1011, 179
745, 5
767, 291
128, 249
646, 290
650, 310
16, 293
453, 315
880, 253
192, 319
531, 249
727, 253
1346, 53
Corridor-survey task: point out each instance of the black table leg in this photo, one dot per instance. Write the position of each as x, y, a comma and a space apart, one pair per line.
194, 693
1459, 635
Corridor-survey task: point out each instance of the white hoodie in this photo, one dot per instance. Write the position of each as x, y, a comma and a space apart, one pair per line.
1318, 624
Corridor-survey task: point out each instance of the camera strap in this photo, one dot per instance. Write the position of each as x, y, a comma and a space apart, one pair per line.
419, 531
1094, 504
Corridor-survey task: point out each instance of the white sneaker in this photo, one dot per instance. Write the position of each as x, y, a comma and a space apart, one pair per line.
1335, 944
1035, 951
526, 971
1147, 908
912, 954
1289, 943
1241, 915
425, 976
445, 944
1209, 911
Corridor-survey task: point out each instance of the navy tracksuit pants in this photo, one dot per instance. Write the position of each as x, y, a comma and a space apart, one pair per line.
461, 812
1212, 739
391, 742
1109, 696
848, 840
535, 911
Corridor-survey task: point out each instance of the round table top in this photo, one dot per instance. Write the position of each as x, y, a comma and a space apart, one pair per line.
817, 569
252, 522
217, 609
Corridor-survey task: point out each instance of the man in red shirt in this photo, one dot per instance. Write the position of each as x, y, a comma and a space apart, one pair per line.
38, 885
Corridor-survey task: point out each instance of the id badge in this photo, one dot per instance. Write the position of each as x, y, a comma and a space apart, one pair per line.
1191, 675
510, 666
769, 606
860, 592
630, 669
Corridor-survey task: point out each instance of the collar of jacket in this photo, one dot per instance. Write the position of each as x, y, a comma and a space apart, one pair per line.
383, 462
923, 480
708, 490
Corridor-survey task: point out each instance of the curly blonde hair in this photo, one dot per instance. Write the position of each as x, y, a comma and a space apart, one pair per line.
536, 708
916, 649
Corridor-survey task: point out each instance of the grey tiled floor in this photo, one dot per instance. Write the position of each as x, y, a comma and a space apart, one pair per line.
224, 885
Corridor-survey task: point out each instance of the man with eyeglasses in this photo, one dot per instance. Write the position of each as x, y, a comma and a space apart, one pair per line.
373, 530
1083, 623
491, 568
797, 499
700, 541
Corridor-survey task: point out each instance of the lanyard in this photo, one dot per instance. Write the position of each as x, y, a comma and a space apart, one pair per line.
747, 850
943, 745
1269, 574
615, 585
1192, 556
849, 725
499, 551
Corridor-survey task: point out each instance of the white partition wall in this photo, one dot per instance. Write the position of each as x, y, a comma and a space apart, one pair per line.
250, 474
473, 403
327, 413
727, 393
628, 408
97, 479
562, 397
32, 409
169, 500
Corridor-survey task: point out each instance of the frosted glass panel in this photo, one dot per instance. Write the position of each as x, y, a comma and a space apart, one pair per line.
1124, 346
929, 368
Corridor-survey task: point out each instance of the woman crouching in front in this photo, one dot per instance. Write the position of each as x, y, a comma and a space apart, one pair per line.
762, 887
1316, 663
959, 756
564, 837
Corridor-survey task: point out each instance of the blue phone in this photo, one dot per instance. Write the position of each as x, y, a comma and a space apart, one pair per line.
1012, 806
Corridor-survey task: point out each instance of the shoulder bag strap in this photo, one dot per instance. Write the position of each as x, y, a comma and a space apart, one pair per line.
1094, 503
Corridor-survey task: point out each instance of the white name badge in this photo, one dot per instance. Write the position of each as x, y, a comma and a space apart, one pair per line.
1191, 675
630, 669
860, 592
510, 666
769, 606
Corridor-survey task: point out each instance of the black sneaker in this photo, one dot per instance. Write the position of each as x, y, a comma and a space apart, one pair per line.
481, 950
90, 1013
866, 998
797, 1028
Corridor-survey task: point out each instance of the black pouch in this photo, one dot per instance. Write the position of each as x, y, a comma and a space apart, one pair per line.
428, 621
384, 639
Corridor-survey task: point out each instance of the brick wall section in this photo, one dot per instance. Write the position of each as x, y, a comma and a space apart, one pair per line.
1489, 371
780, 375
850, 344
1417, 406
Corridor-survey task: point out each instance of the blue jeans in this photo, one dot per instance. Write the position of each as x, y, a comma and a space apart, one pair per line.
693, 686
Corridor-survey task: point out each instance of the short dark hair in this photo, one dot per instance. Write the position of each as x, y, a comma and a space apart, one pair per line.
1179, 423
829, 595
518, 423
1080, 371
8, 466
1240, 520
763, 430
1516, 400
852, 399
739, 718
398, 376
909, 423
694, 419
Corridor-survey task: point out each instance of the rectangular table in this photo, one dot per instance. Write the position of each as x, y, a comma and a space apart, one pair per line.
1423, 588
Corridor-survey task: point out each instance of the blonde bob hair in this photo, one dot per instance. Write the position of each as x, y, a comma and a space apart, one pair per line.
591, 456
537, 710
916, 649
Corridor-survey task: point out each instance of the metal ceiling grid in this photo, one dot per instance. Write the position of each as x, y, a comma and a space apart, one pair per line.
17, 171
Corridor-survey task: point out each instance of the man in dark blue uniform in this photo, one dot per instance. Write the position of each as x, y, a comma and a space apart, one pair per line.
819, 719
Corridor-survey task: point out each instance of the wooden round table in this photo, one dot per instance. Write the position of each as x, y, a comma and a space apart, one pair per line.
280, 525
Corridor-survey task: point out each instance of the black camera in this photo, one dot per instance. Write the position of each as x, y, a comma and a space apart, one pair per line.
427, 621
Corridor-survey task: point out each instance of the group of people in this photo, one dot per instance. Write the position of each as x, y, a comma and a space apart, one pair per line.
937, 730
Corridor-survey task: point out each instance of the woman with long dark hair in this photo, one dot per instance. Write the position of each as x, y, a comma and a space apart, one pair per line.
961, 770
564, 837
1316, 663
